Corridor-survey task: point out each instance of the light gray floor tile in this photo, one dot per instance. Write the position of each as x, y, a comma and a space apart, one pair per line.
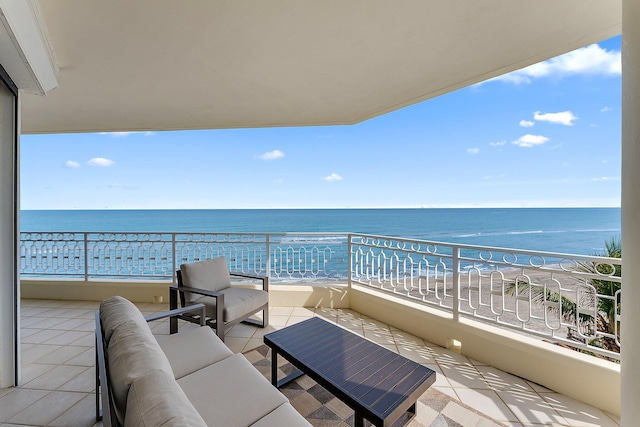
47, 409
82, 414
55, 378
17, 400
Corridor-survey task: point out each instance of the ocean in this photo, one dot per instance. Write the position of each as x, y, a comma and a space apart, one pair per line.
565, 230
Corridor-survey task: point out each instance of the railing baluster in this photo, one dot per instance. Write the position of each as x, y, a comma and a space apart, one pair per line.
456, 283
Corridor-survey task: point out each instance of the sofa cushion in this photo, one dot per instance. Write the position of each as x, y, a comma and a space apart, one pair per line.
132, 353
237, 302
283, 415
231, 393
115, 311
155, 399
211, 274
192, 349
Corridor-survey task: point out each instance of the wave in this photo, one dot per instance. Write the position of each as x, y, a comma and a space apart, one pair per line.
526, 232
515, 233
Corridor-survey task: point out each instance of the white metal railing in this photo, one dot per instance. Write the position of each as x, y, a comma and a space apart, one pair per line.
89, 255
572, 299
565, 298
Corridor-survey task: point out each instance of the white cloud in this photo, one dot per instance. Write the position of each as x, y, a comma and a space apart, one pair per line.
333, 177
606, 178
526, 123
497, 143
529, 140
473, 150
271, 155
125, 134
589, 60
605, 109
72, 164
564, 117
117, 134
100, 161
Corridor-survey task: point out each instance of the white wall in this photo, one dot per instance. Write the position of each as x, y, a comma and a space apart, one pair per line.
8, 239
631, 212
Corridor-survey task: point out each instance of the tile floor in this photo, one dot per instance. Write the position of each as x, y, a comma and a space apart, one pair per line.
58, 369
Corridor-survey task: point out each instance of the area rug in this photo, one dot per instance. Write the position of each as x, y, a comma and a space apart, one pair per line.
322, 409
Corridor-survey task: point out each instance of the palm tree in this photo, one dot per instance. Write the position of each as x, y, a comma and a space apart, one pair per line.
604, 320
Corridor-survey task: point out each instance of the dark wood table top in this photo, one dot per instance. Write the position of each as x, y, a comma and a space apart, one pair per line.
359, 372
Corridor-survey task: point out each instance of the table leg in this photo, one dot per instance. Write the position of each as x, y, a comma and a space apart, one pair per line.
274, 372
274, 367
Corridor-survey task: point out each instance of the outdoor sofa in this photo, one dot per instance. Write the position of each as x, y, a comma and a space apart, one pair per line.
186, 379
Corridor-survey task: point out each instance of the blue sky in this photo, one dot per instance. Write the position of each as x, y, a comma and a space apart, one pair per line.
545, 136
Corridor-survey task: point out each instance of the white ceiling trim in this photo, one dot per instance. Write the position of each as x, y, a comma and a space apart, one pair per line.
25, 51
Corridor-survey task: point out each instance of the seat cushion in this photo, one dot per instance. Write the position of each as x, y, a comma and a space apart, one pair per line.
132, 353
210, 274
231, 393
284, 415
238, 302
156, 399
116, 311
192, 349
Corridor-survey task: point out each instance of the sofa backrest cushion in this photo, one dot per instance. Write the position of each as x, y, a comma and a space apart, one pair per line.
115, 311
210, 274
156, 399
132, 353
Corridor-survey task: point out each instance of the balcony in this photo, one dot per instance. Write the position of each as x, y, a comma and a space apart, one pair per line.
443, 305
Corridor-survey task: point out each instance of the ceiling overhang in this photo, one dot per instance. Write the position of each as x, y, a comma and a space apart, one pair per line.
136, 65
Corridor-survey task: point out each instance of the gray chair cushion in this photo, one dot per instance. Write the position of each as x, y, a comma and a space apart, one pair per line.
231, 393
211, 274
116, 311
237, 302
132, 353
192, 349
157, 400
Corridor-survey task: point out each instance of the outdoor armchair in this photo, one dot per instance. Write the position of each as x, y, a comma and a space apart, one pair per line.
209, 282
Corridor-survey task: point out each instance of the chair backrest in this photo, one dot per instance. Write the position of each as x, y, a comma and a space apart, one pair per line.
210, 274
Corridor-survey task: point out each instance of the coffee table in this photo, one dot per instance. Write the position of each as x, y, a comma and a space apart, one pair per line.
378, 384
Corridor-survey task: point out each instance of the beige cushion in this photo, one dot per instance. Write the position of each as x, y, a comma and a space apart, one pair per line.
192, 349
237, 302
156, 400
231, 393
132, 353
117, 310
211, 274
284, 415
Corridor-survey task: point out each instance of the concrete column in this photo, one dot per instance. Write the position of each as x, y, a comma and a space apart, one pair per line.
9, 202
630, 368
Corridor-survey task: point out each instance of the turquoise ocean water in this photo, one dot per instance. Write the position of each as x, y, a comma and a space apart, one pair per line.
567, 230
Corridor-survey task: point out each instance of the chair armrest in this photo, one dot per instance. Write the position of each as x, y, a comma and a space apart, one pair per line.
190, 290
265, 279
178, 311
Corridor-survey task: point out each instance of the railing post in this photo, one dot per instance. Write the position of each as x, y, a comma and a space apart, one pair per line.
456, 283
268, 248
349, 261
86, 257
174, 265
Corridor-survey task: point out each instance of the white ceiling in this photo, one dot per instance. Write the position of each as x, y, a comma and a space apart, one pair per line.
127, 65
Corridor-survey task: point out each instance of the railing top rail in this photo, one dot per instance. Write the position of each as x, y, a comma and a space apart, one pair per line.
492, 248
243, 233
